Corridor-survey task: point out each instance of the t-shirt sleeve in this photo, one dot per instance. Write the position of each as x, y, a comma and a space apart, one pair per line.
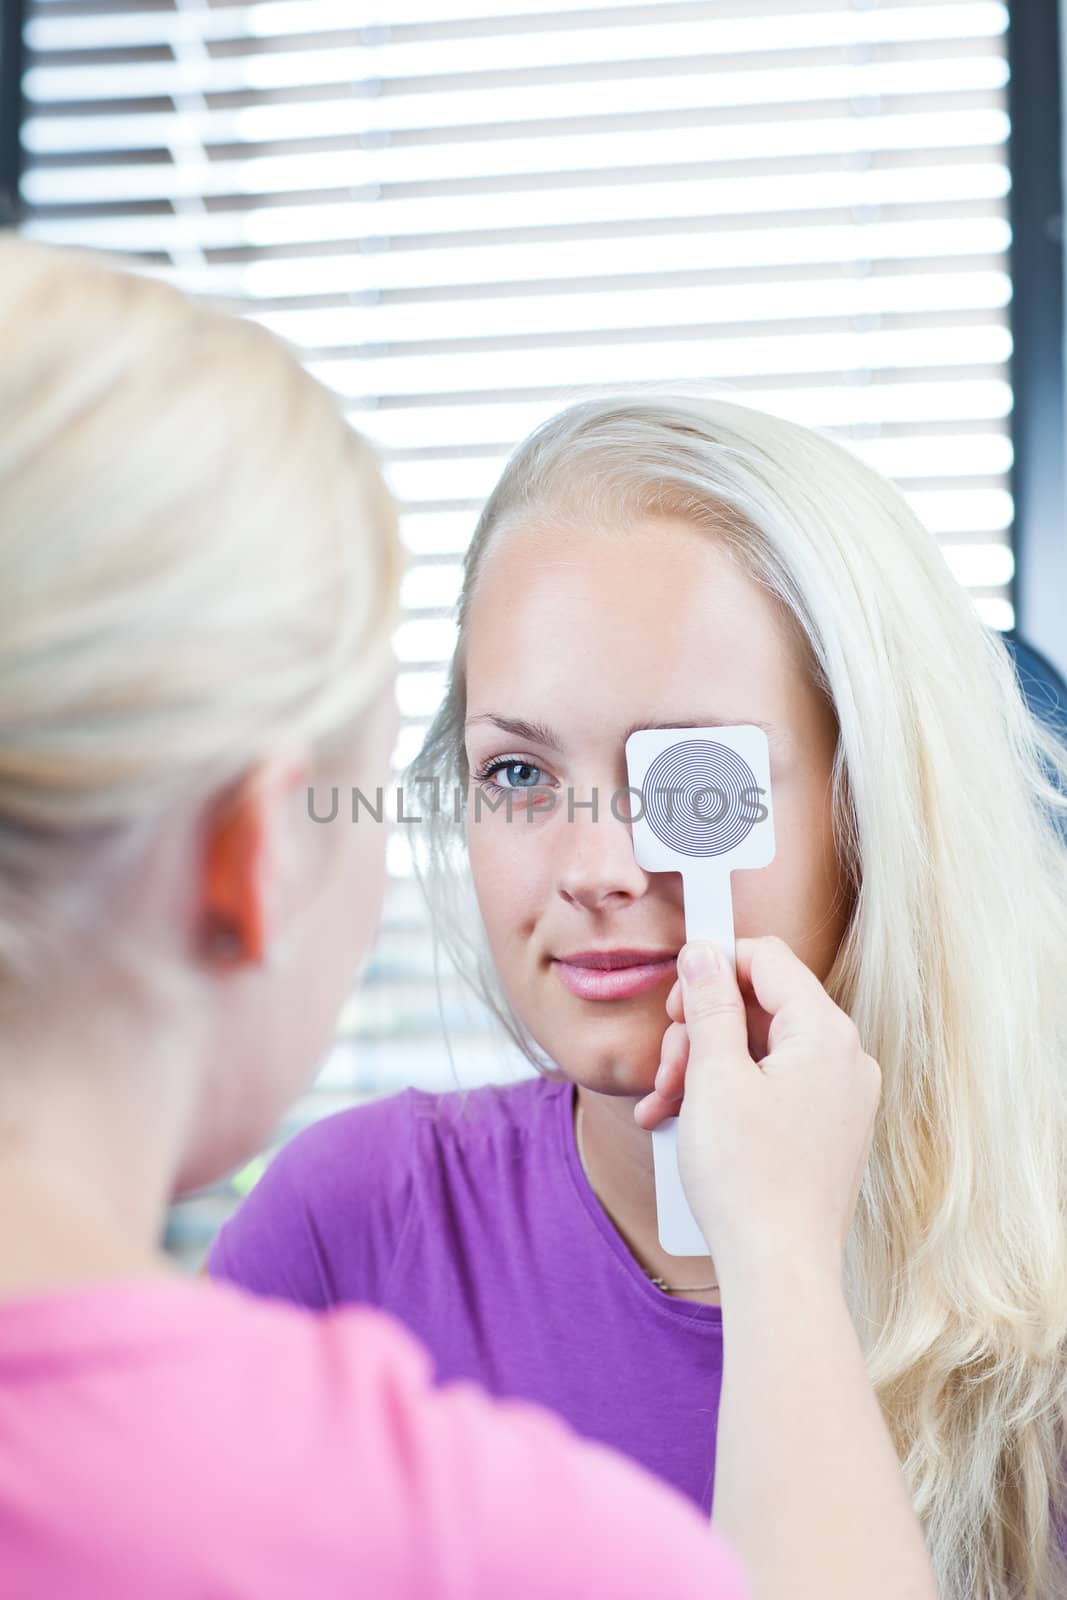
503, 1497
322, 1225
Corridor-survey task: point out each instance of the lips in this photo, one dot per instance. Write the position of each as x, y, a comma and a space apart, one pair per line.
614, 974
611, 960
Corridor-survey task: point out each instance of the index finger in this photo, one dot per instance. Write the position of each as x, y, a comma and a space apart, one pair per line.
785, 988
675, 1007
773, 972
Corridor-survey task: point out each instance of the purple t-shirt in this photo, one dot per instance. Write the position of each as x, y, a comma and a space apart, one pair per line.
469, 1217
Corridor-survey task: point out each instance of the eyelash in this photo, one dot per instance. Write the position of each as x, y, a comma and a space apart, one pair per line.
486, 771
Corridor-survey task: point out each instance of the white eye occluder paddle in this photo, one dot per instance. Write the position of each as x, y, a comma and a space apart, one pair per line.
705, 811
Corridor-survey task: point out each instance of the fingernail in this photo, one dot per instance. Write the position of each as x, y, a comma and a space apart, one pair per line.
699, 960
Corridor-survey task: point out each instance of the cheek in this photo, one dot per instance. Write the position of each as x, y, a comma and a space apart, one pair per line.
348, 915
765, 900
806, 843
798, 896
510, 876
366, 876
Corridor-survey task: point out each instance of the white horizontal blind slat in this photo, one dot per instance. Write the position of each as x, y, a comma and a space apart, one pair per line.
521, 36
465, 213
382, 106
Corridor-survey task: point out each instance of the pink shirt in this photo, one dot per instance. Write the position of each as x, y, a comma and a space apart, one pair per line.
174, 1438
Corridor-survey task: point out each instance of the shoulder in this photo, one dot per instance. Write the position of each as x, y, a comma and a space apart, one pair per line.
386, 1152
494, 1112
518, 1497
321, 1351
363, 1145
376, 1146
334, 1196
324, 1223
301, 1419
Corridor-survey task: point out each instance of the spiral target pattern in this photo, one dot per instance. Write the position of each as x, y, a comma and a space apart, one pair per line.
693, 797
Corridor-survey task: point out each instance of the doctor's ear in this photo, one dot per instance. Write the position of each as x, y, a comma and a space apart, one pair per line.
238, 884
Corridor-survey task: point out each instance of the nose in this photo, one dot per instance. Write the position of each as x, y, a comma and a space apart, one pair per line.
595, 867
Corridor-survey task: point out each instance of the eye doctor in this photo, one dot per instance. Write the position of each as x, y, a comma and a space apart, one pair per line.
198, 579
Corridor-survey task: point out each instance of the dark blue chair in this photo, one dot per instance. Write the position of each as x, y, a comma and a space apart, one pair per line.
1041, 683
1045, 691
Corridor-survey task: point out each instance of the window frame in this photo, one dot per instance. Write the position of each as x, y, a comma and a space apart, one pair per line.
11, 63
1038, 428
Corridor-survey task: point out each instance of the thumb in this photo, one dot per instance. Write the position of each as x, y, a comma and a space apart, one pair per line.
715, 1014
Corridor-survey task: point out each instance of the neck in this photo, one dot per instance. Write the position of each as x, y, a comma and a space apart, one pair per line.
67, 1237
618, 1159
91, 1133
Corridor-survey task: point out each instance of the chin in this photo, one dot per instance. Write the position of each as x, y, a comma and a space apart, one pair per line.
601, 1052
607, 1073
198, 1171
215, 1158
623, 1088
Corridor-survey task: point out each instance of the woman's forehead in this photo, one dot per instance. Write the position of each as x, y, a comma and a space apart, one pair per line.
643, 612
583, 637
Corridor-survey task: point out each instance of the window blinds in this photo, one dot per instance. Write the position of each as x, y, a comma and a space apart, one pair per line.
465, 213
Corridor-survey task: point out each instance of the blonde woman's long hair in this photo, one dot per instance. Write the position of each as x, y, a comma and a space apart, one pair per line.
948, 804
199, 565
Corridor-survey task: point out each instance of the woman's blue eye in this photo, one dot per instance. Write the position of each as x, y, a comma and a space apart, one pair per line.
522, 767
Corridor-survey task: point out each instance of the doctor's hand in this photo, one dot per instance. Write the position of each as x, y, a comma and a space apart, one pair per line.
776, 1101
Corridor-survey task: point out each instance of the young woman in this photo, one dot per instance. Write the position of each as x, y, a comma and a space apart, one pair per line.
198, 577
665, 561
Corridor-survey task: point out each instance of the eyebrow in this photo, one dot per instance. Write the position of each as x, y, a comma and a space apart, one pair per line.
538, 733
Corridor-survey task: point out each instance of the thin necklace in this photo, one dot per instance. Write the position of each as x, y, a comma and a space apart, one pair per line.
693, 1288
